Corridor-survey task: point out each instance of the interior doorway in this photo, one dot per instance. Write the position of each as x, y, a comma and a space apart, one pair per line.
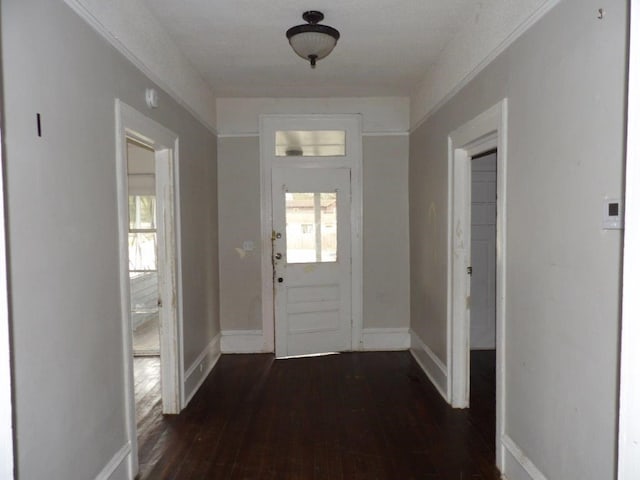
486, 132
144, 288
483, 251
149, 240
143, 250
482, 328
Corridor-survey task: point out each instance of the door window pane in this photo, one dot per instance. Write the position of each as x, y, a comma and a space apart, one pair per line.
311, 143
312, 233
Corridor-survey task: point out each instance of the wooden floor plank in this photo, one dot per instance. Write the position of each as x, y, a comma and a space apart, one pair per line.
351, 416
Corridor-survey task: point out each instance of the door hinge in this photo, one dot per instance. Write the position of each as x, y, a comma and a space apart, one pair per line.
470, 270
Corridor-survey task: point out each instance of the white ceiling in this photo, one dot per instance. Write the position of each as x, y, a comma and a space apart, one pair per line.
201, 51
240, 49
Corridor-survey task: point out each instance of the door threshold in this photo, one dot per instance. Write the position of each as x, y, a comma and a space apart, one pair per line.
308, 355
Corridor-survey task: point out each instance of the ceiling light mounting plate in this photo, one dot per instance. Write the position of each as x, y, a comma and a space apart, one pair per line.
313, 16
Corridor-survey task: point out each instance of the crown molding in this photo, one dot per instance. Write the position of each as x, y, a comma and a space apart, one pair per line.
174, 75
432, 106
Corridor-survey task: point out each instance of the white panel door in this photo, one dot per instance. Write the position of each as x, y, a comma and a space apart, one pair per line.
311, 259
483, 252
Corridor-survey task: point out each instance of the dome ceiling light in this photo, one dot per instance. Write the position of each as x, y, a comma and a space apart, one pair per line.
313, 42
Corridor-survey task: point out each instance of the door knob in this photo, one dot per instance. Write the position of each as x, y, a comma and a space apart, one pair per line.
278, 256
280, 279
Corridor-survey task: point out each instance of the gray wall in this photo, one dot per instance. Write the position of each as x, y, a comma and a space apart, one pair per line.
385, 227
63, 236
565, 81
239, 220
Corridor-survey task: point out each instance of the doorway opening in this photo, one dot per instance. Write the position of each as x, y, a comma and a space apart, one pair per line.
143, 250
482, 341
485, 133
146, 161
144, 286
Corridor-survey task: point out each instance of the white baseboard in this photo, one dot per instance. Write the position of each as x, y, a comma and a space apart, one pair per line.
200, 369
117, 466
242, 341
517, 466
433, 367
385, 339
373, 339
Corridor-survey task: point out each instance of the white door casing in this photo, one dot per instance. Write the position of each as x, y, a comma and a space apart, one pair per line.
629, 417
352, 162
6, 404
312, 296
485, 132
132, 124
483, 252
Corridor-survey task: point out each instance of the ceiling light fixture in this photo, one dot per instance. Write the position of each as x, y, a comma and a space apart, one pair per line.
313, 42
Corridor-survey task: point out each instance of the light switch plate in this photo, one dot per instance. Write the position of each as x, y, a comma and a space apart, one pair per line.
612, 214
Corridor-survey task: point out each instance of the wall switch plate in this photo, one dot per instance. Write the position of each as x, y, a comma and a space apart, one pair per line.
613, 214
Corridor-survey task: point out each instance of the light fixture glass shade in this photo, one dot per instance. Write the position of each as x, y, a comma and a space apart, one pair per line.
307, 44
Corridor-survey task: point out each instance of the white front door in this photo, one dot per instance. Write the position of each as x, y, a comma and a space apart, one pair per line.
311, 259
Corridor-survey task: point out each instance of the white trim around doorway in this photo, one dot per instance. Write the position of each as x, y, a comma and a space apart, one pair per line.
6, 401
629, 414
132, 124
487, 131
268, 125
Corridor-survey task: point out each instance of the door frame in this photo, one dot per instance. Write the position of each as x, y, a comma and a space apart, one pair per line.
6, 387
629, 417
269, 124
132, 124
485, 132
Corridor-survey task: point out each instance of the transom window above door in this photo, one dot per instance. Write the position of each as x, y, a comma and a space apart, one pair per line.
311, 143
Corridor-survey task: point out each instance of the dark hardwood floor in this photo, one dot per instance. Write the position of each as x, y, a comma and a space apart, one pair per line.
482, 393
349, 416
